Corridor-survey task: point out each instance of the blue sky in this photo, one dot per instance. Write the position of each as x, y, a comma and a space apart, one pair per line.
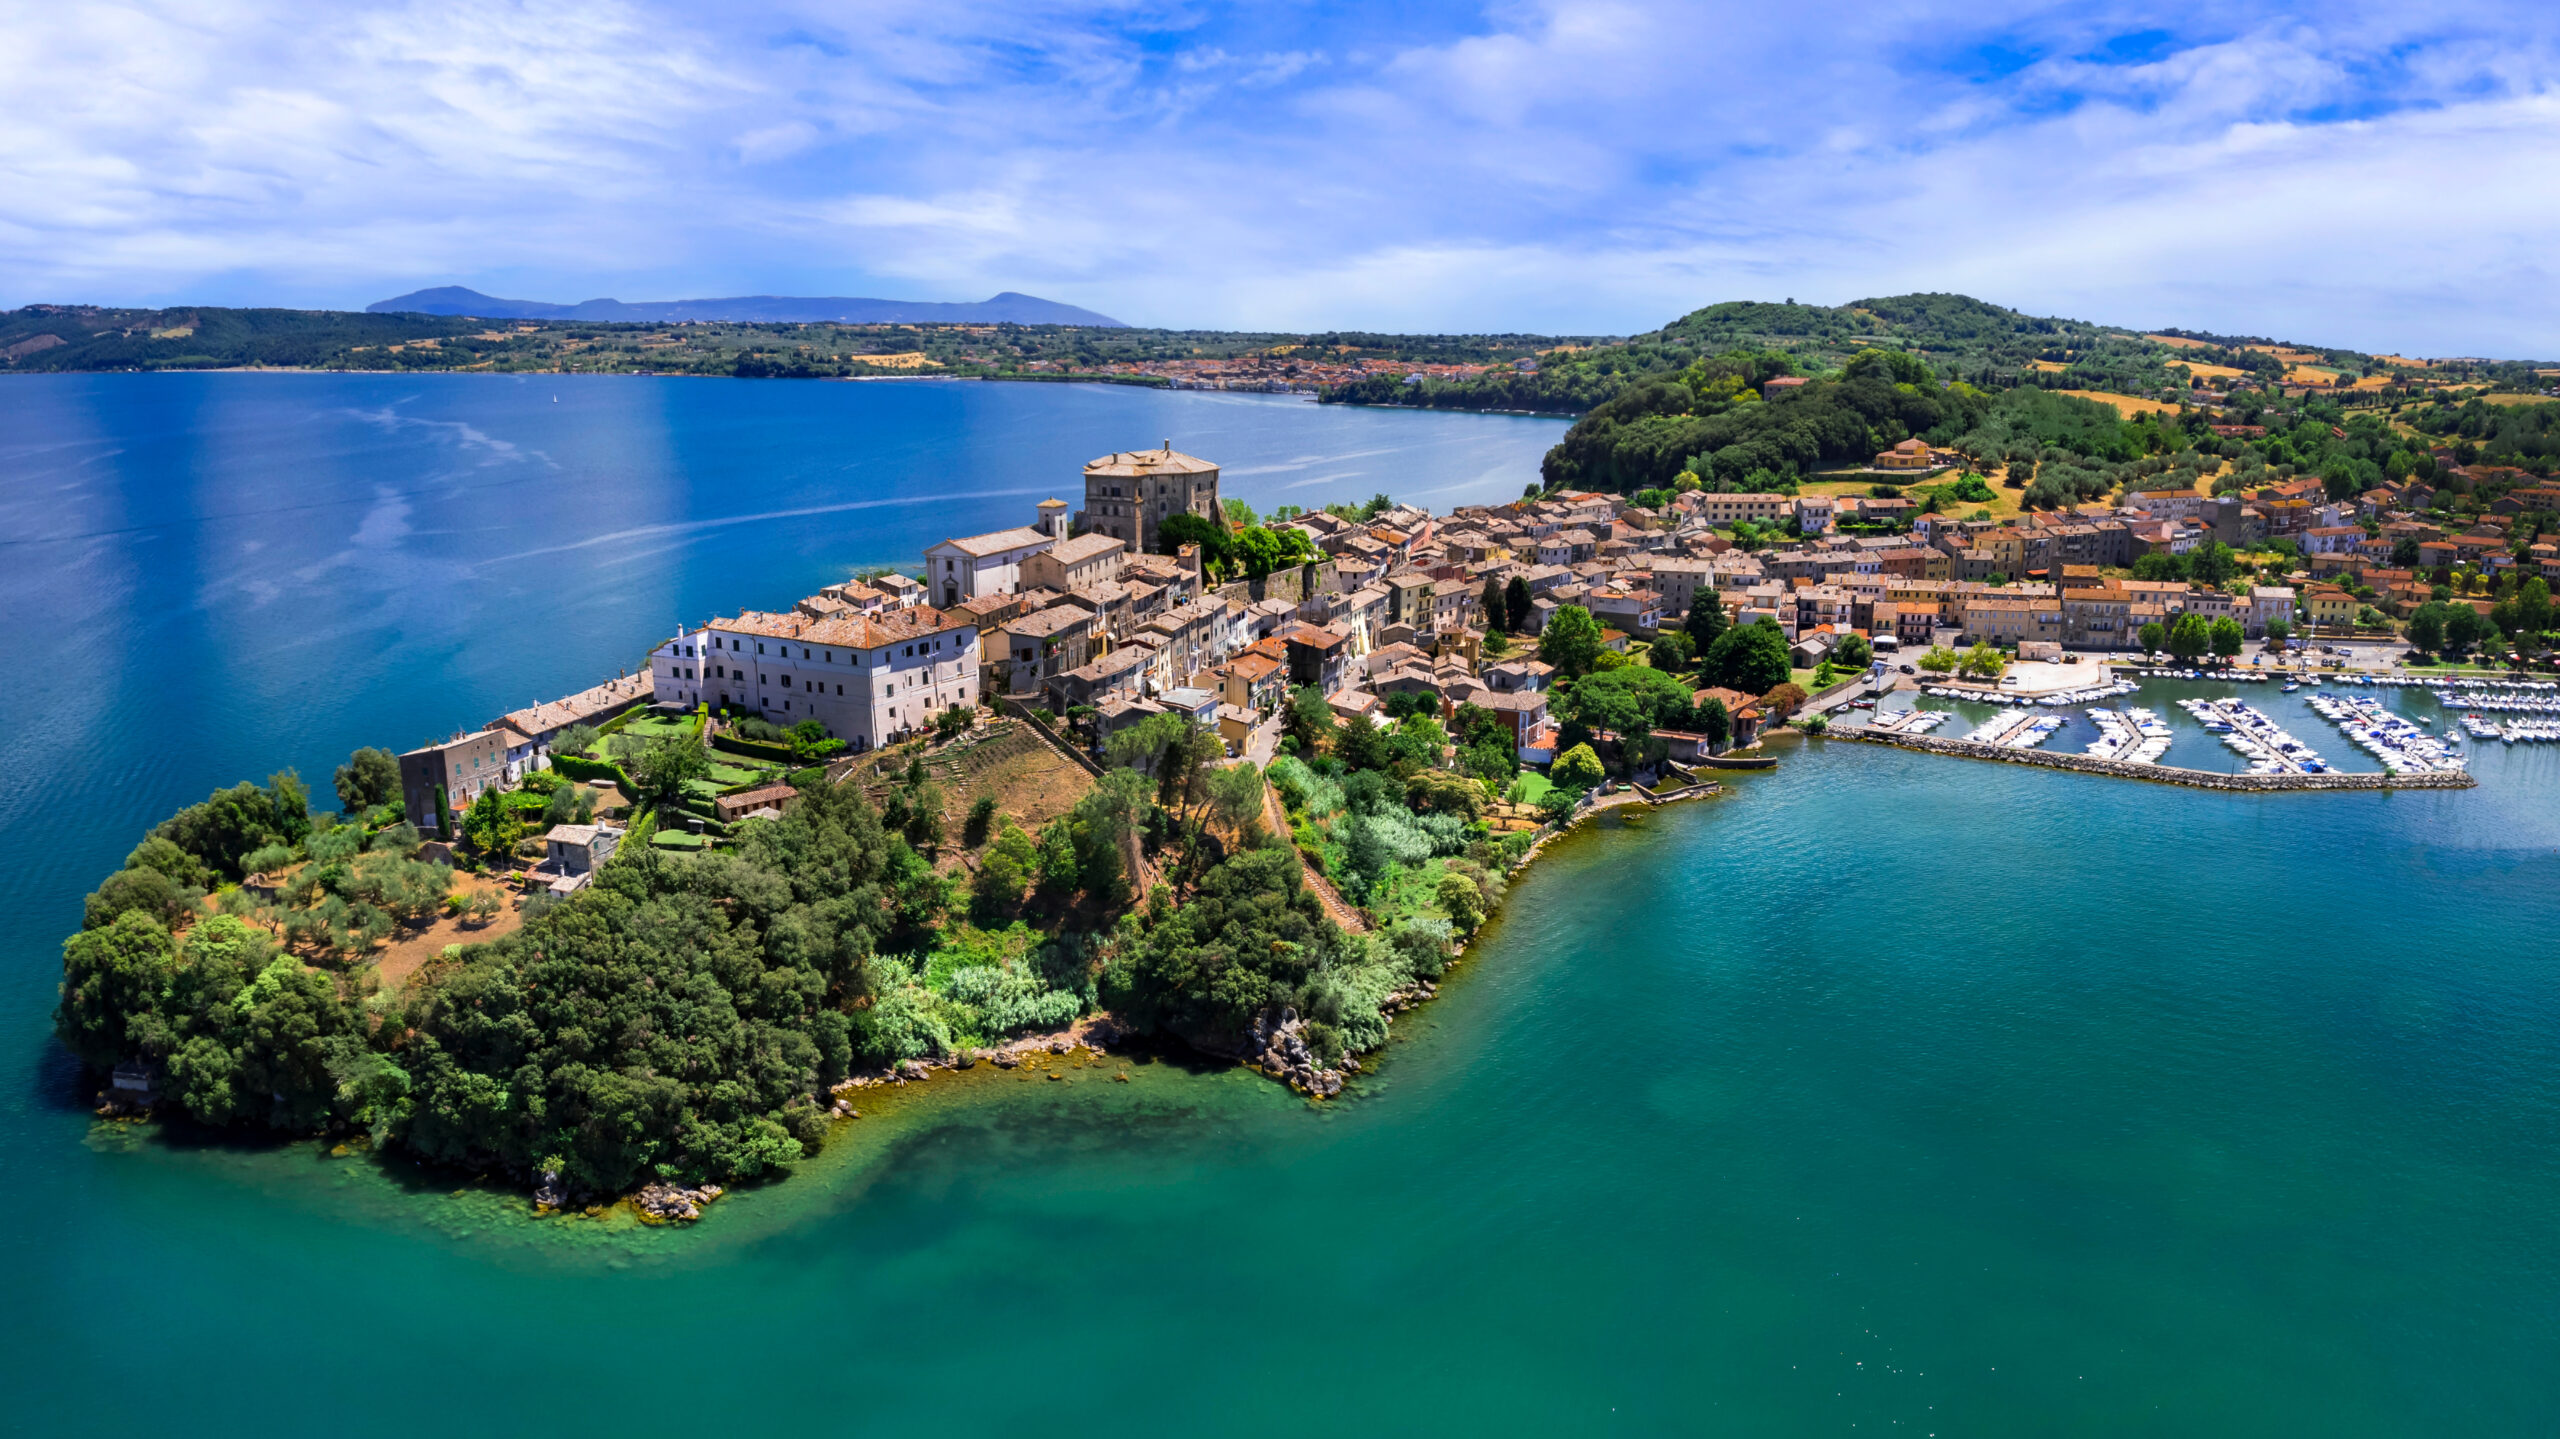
2374, 175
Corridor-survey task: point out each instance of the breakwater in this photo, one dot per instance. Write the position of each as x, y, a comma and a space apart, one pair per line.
2164, 774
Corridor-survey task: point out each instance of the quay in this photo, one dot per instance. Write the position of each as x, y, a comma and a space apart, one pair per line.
2163, 774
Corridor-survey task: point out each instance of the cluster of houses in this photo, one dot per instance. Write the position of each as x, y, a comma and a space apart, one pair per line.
1078, 613
499, 755
2379, 544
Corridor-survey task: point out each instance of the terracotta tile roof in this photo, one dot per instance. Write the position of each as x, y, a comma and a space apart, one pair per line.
1136, 463
995, 542
606, 698
855, 631
1085, 547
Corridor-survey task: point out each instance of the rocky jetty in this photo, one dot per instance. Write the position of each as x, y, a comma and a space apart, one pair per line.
2166, 774
1278, 1047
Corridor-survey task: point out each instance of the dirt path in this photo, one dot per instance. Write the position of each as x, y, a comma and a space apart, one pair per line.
1326, 895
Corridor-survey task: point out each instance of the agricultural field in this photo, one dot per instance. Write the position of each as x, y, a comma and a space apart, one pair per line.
2129, 405
1029, 779
2203, 371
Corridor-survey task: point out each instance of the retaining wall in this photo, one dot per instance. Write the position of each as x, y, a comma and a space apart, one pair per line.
2164, 774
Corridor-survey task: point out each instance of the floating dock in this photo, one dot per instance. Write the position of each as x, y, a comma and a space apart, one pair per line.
2166, 774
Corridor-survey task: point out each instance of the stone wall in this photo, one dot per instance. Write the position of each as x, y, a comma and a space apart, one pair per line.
2164, 774
1294, 584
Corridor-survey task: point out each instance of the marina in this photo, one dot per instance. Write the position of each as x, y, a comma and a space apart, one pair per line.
2135, 736
2400, 728
1910, 721
2019, 730
2254, 737
2402, 746
2526, 699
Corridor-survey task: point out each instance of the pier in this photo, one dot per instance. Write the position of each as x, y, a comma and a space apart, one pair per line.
2165, 774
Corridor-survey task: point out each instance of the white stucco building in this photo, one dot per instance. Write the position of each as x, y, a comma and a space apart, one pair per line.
869, 678
973, 567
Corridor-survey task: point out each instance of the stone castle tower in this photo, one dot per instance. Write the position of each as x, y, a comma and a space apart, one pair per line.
1129, 495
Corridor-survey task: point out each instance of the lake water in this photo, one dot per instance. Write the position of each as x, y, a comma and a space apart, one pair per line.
1885, 1093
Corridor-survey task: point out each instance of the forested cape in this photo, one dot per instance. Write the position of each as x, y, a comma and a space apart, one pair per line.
682, 1017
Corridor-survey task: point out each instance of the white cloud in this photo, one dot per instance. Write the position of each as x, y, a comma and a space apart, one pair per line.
2377, 177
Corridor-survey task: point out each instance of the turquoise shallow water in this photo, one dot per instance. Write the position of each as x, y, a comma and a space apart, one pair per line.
1885, 1093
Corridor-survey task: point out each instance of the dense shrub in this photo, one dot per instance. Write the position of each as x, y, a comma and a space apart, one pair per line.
231, 823
669, 1020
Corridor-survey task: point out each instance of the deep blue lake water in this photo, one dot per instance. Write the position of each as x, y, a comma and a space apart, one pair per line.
1887, 1093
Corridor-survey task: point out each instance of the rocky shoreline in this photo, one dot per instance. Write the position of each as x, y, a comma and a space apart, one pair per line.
2165, 774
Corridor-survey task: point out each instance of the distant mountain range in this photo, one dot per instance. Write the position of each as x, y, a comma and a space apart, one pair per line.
1007, 308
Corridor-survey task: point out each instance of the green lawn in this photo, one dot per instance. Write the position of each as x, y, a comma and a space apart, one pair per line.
1530, 787
655, 728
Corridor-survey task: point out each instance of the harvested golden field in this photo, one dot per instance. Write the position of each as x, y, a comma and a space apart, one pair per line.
905, 360
2288, 354
2309, 375
2050, 367
2204, 371
2180, 342
2402, 361
2126, 405
2518, 399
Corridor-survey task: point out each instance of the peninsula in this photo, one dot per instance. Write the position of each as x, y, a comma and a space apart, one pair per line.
1156, 768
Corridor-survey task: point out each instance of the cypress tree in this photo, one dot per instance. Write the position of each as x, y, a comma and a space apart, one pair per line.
1705, 622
